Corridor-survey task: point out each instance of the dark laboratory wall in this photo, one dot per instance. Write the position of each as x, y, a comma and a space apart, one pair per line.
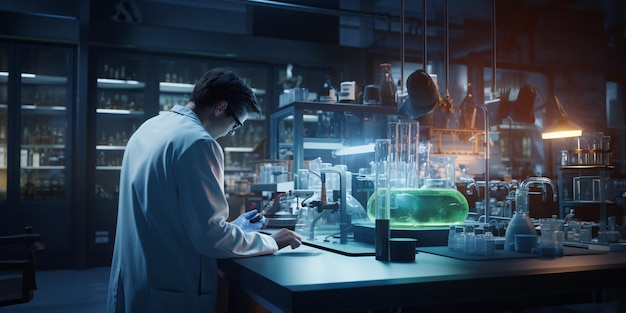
214, 32
57, 7
219, 16
297, 25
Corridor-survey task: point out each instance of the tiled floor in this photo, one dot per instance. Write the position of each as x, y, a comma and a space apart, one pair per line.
67, 291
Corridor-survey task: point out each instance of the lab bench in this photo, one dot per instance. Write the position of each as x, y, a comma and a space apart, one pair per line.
308, 279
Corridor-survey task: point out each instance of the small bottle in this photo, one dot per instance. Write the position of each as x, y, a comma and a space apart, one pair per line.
451, 237
559, 238
3, 135
327, 93
314, 179
459, 238
3, 161
479, 234
470, 240
386, 85
490, 243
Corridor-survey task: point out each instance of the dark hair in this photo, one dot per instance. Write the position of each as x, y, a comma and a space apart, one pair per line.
219, 84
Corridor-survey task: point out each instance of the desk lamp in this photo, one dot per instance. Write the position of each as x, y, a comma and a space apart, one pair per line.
563, 127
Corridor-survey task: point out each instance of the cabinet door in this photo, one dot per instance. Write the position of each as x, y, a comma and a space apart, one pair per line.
45, 97
122, 104
4, 100
40, 141
177, 78
120, 110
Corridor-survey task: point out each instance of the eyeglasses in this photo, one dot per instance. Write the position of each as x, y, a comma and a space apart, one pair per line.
238, 123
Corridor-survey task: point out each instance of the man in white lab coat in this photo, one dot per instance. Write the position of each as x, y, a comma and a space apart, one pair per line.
172, 217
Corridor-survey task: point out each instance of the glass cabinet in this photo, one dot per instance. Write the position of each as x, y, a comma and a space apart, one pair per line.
45, 97
134, 87
239, 148
120, 109
177, 78
36, 118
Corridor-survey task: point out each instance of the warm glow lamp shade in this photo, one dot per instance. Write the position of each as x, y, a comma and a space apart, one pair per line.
563, 128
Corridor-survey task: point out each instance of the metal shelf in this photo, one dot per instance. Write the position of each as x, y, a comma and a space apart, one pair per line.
567, 178
297, 113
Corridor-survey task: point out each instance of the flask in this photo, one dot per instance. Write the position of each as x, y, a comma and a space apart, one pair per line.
386, 85
327, 93
413, 208
520, 223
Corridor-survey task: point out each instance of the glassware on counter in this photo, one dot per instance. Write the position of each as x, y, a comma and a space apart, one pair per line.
552, 236
520, 223
414, 208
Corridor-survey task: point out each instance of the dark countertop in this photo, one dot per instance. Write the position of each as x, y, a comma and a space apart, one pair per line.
308, 279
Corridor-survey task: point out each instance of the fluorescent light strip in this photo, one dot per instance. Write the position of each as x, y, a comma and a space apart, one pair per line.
369, 148
117, 81
26, 75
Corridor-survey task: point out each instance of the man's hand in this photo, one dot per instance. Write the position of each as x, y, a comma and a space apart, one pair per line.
286, 237
250, 221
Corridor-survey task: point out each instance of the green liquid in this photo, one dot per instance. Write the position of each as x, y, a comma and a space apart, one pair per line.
411, 208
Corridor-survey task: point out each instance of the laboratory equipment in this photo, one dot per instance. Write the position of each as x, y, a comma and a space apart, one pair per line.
402, 249
279, 211
381, 207
520, 223
452, 237
403, 154
411, 208
525, 243
440, 172
552, 236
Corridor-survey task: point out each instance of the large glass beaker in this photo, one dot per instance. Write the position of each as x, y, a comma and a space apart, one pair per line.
414, 208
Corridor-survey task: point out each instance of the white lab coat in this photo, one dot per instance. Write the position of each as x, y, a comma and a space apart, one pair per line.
171, 223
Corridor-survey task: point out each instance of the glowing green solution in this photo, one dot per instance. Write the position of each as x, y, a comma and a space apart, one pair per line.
410, 208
